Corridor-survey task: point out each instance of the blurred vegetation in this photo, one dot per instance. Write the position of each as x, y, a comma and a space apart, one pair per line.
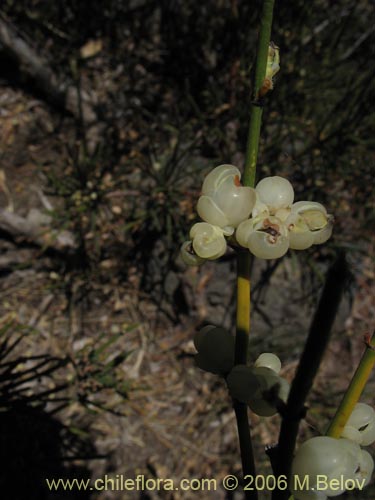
34, 389
34, 444
38, 381
172, 84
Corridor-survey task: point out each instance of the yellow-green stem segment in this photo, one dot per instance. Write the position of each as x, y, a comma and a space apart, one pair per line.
354, 391
243, 307
243, 263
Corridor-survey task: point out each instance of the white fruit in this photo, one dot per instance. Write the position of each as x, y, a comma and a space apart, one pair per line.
316, 219
265, 236
224, 202
269, 360
300, 235
360, 426
189, 256
314, 213
276, 192
352, 434
264, 247
214, 179
208, 240
322, 235
366, 467
209, 211
329, 457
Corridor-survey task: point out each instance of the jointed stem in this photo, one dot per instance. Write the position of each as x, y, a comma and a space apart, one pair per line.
243, 269
242, 340
256, 109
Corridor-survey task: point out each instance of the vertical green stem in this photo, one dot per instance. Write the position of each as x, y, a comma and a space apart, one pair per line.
243, 273
243, 263
256, 109
253, 144
241, 348
243, 307
354, 390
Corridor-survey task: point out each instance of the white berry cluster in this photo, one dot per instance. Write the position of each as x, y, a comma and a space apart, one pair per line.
265, 220
341, 462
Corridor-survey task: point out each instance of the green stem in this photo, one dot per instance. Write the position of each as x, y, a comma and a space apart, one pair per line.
243, 262
256, 109
243, 307
240, 356
354, 390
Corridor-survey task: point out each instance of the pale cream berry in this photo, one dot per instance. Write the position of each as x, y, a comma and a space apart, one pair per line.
189, 257
316, 219
214, 179
360, 426
300, 235
327, 456
269, 360
266, 237
322, 235
366, 467
364, 463
276, 192
224, 201
208, 240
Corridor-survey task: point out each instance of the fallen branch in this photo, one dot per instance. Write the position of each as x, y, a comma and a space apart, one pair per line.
63, 95
36, 229
13, 258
